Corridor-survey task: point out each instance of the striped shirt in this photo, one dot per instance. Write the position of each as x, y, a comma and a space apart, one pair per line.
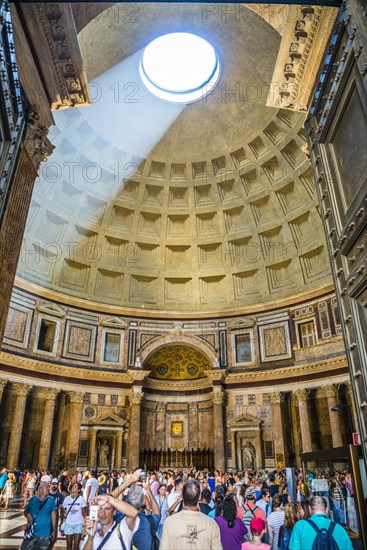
275, 521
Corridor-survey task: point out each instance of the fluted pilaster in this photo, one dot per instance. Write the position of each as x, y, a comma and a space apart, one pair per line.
218, 429
134, 433
73, 435
276, 399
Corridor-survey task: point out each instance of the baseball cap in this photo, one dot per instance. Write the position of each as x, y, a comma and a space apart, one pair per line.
257, 525
250, 492
55, 480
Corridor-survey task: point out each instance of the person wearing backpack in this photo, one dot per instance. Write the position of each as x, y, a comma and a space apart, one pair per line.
251, 510
292, 513
318, 532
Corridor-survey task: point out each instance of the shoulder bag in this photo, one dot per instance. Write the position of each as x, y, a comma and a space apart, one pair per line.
29, 530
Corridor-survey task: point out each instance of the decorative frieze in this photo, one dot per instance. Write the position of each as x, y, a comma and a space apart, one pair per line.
63, 48
302, 47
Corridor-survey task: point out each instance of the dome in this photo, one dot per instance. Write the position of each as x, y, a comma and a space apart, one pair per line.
197, 207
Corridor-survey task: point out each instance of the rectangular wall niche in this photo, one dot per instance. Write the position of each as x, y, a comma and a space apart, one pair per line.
47, 335
111, 346
243, 347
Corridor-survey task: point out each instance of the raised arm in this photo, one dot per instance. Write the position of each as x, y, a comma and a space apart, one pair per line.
153, 502
130, 480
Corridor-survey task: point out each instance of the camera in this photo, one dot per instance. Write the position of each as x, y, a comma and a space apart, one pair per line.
143, 476
93, 513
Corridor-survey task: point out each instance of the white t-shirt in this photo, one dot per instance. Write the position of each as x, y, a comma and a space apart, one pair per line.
93, 484
31, 482
74, 511
113, 542
172, 497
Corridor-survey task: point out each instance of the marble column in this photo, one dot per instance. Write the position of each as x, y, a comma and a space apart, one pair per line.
73, 435
3, 383
302, 396
22, 390
233, 461
351, 403
259, 450
92, 448
278, 430
334, 416
134, 432
120, 435
113, 453
47, 427
160, 435
59, 430
193, 426
218, 430
295, 430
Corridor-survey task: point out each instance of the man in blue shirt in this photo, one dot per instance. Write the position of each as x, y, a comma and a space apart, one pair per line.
303, 534
43, 508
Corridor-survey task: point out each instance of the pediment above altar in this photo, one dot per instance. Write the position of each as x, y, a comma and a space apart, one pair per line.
245, 421
109, 419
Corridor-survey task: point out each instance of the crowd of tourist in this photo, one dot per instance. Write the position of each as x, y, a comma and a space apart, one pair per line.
180, 509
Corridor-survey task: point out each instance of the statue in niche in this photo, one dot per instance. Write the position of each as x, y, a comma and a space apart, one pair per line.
249, 456
138, 361
103, 452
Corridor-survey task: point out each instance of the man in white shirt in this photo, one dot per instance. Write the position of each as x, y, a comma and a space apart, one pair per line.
190, 529
175, 496
91, 487
105, 532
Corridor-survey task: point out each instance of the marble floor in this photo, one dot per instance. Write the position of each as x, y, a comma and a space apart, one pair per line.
12, 523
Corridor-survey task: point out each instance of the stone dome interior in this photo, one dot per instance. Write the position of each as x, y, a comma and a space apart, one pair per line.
202, 207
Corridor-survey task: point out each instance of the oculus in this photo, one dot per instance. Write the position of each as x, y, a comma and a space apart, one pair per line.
179, 67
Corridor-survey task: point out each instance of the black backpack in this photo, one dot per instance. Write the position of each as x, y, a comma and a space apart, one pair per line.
324, 539
155, 539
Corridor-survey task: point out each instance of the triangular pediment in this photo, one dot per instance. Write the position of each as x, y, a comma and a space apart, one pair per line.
52, 309
108, 419
114, 322
241, 323
244, 420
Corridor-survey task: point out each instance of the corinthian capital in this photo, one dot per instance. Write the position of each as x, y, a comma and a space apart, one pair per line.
3, 383
301, 394
218, 398
22, 389
136, 398
330, 390
76, 397
276, 397
52, 393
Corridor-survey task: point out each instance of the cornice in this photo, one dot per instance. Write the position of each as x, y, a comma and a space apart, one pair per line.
295, 371
57, 23
304, 39
263, 378
108, 309
50, 369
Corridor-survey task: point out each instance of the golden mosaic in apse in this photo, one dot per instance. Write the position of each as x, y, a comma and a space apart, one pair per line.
177, 362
